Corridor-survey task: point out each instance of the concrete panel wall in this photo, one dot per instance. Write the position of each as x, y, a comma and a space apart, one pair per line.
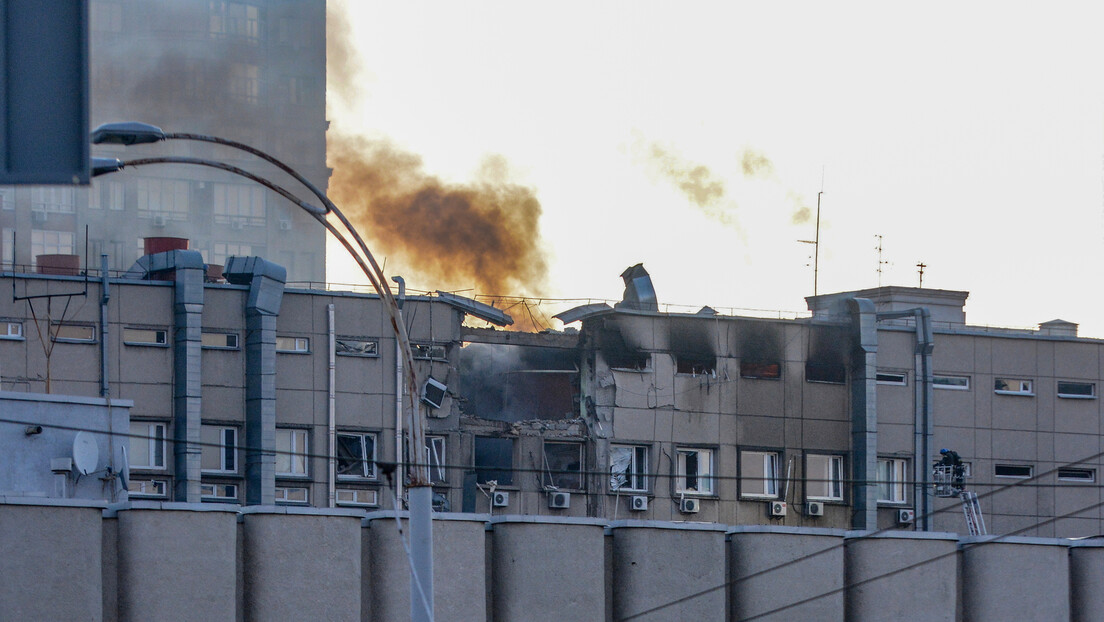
50, 560
655, 564
174, 558
1014, 579
781, 574
459, 568
301, 564
1086, 581
547, 570
901, 575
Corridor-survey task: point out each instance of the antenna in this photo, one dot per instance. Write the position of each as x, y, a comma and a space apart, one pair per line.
921, 265
881, 262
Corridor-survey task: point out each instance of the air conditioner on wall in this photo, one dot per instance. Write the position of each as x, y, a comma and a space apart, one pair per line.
285, 224
638, 503
777, 508
159, 221
500, 499
559, 500
814, 508
689, 506
905, 517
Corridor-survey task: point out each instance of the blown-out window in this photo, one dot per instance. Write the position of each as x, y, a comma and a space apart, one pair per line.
629, 468
694, 474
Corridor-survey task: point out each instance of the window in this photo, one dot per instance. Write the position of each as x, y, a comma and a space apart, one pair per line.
7, 198
58, 199
239, 204
235, 18
1012, 386
7, 248
437, 460
1077, 390
147, 488
429, 351
356, 347
219, 452
145, 337
629, 468
696, 365
291, 452
147, 445
892, 378
357, 496
892, 480
760, 371
832, 373
1021, 471
227, 493
356, 456
759, 474
11, 330
494, 460
958, 383
1087, 476
299, 345
49, 242
114, 195
220, 341
245, 85
167, 198
73, 333
563, 465
824, 477
694, 472
292, 495
221, 250
632, 361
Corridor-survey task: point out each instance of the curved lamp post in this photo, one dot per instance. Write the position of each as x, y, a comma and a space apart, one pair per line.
420, 489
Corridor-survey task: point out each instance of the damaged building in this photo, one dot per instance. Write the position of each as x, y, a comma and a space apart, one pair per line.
246, 390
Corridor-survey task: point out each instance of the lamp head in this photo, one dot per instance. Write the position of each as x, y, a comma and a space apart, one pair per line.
103, 166
128, 133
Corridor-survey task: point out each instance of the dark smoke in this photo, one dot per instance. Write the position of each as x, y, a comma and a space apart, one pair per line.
342, 64
484, 235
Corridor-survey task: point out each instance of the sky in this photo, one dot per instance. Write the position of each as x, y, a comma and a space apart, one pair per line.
696, 137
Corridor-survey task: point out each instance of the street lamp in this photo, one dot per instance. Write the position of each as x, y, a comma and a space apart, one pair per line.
420, 490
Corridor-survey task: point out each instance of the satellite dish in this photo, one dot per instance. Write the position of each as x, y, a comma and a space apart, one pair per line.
124, 471
86, 454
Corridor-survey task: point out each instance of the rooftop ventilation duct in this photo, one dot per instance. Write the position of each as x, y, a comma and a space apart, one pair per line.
639, 293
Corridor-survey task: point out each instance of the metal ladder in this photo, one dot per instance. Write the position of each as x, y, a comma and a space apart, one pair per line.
972, 509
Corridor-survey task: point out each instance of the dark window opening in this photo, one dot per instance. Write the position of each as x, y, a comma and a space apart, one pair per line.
1077, 475
891, 378
825, 372
1076, 389
494, 460
563, 465
761, 371
1013, 470
636, 361
696, 365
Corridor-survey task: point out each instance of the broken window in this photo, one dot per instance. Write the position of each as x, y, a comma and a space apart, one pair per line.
762, 371
694, 472
696, 365
563, 465
818, 371
629, 468
1013, 386
356, 347
429, 351
824, 477
759, 474
494, 460
434, 458
356, 455
634, 361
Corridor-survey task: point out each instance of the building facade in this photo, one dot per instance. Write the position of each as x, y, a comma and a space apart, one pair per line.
228, 69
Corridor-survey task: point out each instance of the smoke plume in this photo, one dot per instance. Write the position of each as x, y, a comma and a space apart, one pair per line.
342, 62
696, 181
756, 164
483, 235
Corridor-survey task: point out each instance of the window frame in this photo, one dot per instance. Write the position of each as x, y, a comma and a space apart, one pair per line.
282, 495
295, 342
1030, 470
57, 326
356, 493
425, 351
221, 430
367, 463
340, 340
295, 452
636, 470
437, 460
828, 478
1026, 386
1075, 396
215, 487
135, 336
1091, 479
771, 474
549, 479
896, 480
227, 336
162, 483
8, 335
151, 445
891, 378
483, 473
754, 371
950, 387
706, 476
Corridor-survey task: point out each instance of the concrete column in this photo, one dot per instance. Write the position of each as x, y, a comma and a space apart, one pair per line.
459, 567
176, 559
266, 291
187, 368
301, 563
901, 575
50, 559
546, 569
864, 414
1086, 580
671, 571
782, 574
1012, 578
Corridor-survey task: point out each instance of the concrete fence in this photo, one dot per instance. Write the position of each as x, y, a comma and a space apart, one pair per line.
66, 560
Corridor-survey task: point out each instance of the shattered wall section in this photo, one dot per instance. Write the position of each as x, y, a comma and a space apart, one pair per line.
517, 383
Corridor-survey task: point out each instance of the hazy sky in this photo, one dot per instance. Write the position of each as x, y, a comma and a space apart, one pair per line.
689, 136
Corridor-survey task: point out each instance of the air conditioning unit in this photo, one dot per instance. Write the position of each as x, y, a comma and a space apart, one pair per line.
433, 393
689, 506
906, 517
559, 500
814, 508
285, 224
777, 508
159, 221
500, 499
638, 503
38, 216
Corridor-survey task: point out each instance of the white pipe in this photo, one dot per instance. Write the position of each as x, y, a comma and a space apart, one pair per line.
332, 406
398, 403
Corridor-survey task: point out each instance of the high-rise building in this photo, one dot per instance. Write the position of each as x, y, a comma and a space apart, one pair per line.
251, 71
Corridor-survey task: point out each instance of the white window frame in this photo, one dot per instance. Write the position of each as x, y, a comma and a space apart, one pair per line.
291, 448
1015, 386
13, 330
1030, 470
284, 495
704, 471
893, 477
146, 337
147, 430
86, 329
765, 485
1070, 477
437, 458
633, 475
824, 470
218, 491
430, 351
293, 345
211, 341
358, 497
225, 442
892, 378
1076, 396
367, 459
965, 386
147, 488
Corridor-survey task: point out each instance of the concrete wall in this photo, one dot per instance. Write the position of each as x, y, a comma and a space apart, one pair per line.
74, 560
